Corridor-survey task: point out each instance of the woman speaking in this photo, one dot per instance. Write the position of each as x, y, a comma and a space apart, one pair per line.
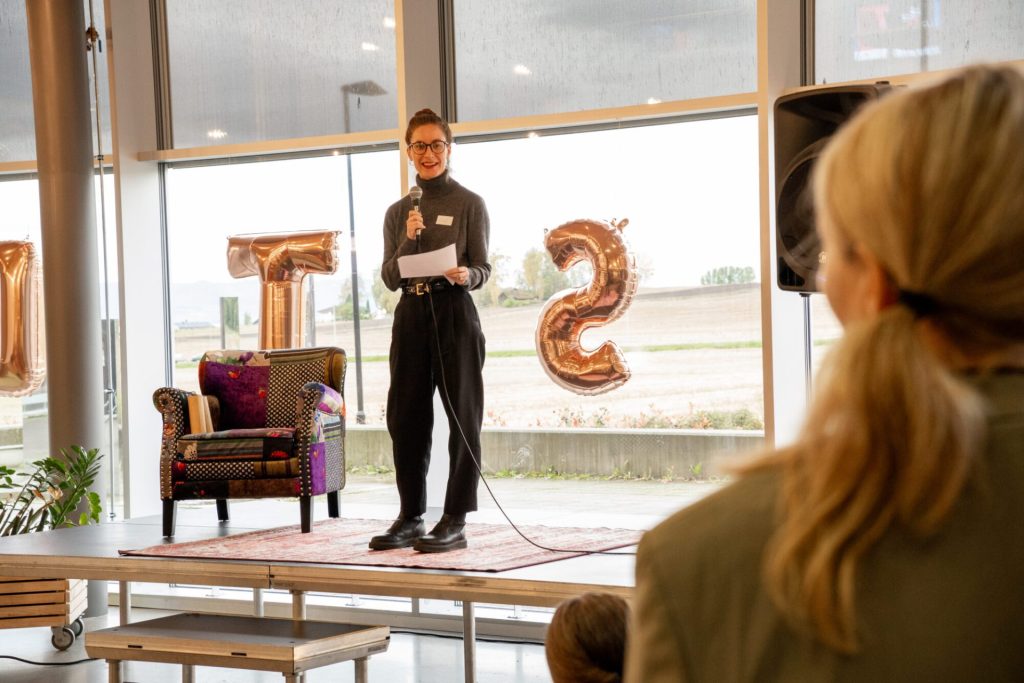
436, 340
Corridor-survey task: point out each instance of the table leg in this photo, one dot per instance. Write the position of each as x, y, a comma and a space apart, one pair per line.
362, 670
298, 605
188, 673
113, 671
291, 678
469, 640
124, 601
257, 602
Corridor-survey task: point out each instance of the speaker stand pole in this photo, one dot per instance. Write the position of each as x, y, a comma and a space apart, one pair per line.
807, 343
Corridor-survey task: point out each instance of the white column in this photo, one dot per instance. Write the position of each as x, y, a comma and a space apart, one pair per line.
64, 152
779, 58
140, 244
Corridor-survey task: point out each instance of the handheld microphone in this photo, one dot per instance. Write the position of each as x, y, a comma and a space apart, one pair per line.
416, 193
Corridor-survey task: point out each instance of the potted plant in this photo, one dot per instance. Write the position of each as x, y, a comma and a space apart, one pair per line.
48, 497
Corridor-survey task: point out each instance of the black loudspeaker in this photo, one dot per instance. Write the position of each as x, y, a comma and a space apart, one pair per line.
804, 122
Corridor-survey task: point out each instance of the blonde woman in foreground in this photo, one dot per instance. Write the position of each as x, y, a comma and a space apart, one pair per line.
887, 543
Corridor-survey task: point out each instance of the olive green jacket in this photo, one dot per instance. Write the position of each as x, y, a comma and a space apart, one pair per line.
949, 608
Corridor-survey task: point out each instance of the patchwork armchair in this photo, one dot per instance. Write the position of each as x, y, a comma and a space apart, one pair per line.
278, 430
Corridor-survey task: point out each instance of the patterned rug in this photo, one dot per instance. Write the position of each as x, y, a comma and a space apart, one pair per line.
492, 547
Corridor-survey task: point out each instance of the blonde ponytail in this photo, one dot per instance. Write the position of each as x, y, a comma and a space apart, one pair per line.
889, 440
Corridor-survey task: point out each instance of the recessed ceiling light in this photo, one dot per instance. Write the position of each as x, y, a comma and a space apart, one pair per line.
216, 134
653, 100
370, 47
389, 22
521, 69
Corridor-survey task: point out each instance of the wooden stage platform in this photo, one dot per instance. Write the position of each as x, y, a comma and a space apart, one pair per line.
92, 553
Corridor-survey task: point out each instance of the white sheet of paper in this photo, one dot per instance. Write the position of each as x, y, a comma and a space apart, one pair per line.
430, 264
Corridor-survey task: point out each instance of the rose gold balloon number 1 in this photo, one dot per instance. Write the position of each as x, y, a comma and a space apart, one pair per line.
282, 262
22, 352
568, 313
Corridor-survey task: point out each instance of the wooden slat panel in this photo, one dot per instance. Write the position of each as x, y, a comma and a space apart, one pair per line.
56, 597
33, 586
76, 587
77, 605
25, 622
51, 609
19, 579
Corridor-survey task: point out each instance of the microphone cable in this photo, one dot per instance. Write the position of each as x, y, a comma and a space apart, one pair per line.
476, 461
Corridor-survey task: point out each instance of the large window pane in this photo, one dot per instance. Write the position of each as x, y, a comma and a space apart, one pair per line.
692, 335
251, 70
24, 421
17, 125
527, 57
857, 39
207, 204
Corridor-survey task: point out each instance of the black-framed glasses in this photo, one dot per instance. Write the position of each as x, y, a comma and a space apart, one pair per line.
437, 147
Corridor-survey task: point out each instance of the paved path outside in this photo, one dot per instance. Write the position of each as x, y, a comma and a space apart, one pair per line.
636, 504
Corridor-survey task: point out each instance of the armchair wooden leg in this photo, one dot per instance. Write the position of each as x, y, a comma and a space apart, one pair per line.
306, 511
332, 504
169, 510
222, 510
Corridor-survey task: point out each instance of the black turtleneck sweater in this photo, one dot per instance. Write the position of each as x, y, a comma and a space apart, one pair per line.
469, 229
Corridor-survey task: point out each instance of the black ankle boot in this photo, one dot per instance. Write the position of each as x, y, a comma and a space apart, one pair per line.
447, 534
402, 533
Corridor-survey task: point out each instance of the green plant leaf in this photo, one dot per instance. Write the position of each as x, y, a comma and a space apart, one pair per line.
33, 506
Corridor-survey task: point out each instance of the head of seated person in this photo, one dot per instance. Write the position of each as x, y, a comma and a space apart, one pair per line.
586, 641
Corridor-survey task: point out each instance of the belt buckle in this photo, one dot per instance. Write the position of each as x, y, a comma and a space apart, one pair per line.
421, 288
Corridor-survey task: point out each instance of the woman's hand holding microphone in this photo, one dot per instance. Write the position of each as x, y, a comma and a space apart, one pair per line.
414, 224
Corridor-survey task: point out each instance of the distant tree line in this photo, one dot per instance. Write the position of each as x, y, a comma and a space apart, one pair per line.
728, 275
536, 280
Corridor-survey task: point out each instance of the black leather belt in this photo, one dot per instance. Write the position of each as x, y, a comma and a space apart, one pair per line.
421, 288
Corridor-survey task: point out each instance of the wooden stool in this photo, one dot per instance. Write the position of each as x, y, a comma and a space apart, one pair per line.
254, 643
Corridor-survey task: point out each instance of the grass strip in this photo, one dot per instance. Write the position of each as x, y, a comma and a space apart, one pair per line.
644, 348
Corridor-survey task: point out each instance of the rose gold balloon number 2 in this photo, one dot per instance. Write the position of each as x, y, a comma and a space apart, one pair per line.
567, 314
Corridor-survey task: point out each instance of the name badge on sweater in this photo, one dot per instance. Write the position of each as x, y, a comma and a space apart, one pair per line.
444, 220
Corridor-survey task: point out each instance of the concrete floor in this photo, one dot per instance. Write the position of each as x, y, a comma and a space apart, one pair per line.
409, 659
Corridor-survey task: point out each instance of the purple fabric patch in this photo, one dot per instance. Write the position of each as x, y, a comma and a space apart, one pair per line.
242, 391
330, 401
317, 469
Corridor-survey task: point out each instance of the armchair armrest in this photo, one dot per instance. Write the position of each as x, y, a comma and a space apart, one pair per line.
327, 399
320, 430
173, 406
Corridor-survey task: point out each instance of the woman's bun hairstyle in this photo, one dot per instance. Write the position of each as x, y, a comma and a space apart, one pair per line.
426, 117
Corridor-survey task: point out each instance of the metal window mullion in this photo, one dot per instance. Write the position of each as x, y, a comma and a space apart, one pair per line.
162, 74
807, 46
446, 52
166, 276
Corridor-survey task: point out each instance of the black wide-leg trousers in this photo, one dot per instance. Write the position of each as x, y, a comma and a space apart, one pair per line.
456, 370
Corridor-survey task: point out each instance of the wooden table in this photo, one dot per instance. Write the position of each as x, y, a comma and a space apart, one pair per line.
253, 643
91, 553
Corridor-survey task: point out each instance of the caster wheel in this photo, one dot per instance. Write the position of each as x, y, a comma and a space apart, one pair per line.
77, 627
63, 638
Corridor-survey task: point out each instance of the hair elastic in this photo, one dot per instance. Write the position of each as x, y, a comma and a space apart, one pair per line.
921, 305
